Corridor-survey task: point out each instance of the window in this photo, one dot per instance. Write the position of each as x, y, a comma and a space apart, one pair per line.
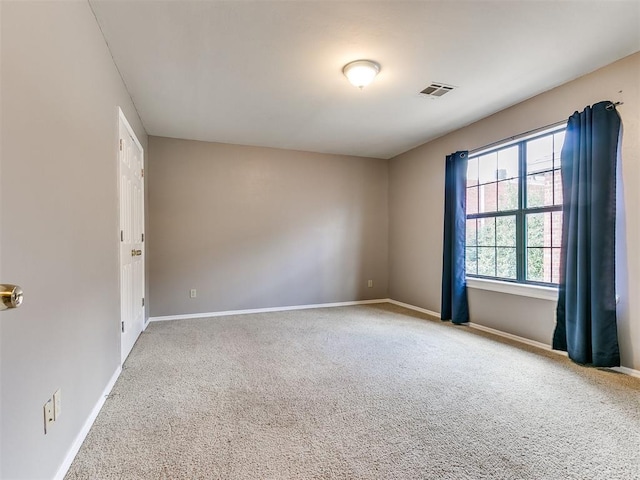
514, 210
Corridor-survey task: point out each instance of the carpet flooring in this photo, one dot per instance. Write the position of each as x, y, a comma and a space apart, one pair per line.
363, 392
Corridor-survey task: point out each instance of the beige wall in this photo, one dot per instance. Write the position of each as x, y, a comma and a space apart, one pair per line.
248, 227
256, 227
416, 190
59, 230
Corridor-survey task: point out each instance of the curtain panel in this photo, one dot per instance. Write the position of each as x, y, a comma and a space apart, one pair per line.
454, 305
586, 326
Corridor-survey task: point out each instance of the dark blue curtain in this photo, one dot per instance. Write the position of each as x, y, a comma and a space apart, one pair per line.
586, 313
454, 286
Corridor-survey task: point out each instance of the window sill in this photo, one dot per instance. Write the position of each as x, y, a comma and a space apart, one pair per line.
533, 291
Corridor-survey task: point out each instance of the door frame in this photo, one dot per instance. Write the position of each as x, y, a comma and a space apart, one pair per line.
122, 121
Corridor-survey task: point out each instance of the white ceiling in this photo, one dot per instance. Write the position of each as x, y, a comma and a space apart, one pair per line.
269, 73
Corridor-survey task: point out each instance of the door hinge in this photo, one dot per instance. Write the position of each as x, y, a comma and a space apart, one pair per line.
122, 235
120, 144
143, 237
143, 302
122, 326
142, 172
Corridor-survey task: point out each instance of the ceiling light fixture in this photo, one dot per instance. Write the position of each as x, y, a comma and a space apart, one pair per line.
361, 72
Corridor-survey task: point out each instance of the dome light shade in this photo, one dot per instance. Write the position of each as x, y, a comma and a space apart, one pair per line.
361, 72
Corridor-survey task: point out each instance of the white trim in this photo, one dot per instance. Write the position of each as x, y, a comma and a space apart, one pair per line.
627, 371
478, 327
265, 310
82, 434
524, 290
624, 370
516, 338
413, 307
543, 346
130, 129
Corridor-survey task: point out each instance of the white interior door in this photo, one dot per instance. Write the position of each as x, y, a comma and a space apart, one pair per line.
131, 181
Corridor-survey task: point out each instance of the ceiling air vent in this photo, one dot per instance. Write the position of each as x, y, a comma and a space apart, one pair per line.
437, 90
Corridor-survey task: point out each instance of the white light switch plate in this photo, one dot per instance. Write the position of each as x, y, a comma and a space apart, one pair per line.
57, 405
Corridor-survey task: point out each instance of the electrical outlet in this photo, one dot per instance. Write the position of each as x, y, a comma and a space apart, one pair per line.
48, 415
57, 405
193, 293
370, 283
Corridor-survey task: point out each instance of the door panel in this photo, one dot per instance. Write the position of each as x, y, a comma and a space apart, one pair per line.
131, 161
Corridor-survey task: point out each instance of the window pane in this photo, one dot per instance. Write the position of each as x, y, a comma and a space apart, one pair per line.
506, 262
506, 231
555, 265
534, 264
539, 229
540, 189
487, 261
488, 198
556, 229
508, 163
472, 238
472, 200
557, 187
472, 172
508, 195
487, 232
558, 142
535, 230
471, 257
539, 264
540, 154
488, 166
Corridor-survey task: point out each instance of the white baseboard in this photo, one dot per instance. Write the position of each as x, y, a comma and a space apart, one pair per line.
77, 443
516, 338
266, 310
626, 370
413, 307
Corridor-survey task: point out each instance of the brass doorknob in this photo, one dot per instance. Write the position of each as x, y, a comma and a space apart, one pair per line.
10, 296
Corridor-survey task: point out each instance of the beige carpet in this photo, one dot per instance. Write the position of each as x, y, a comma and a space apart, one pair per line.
367, 392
